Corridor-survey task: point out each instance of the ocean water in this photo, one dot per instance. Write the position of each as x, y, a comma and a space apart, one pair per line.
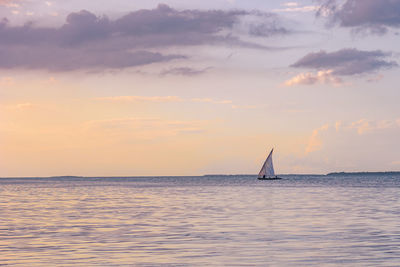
201, 221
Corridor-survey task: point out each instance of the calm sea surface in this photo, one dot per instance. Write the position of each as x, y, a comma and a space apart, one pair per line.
201, 221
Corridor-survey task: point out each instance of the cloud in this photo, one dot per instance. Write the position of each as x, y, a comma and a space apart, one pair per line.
10, 3
145, 128
172, 99
291, 4
7, 81
296, 8
356, 128
365, 126
161, 99
346, 61
375, 78
87, 41
184, 71
19, 106
263, 25
315, 142
222, 102
375, 16
365, 144
61, 59
156, 99
308, 78
267, 29
244, 106
210, 100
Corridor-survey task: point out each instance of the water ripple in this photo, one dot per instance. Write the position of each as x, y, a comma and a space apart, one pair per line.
200, 221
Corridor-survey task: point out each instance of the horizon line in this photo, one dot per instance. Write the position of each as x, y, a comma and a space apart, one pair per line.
203, 175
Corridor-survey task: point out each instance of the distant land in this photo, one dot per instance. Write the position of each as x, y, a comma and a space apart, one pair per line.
365, 173
67, 176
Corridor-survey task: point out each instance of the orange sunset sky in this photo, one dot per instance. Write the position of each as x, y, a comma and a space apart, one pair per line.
129, 88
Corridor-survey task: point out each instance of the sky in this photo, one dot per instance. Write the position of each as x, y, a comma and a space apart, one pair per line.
132, 88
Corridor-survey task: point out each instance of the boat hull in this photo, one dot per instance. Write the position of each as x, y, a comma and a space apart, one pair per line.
269, 178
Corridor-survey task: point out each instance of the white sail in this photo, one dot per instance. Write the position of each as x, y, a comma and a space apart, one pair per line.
267, 169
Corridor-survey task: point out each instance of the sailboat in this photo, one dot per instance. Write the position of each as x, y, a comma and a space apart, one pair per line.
267, 171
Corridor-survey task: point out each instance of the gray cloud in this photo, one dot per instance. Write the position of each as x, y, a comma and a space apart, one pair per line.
346, 61
375, 16
60, 59
184, 71
267, 25
87, 41
267, 30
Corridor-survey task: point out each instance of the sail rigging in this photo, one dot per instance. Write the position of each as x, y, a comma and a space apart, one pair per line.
267, 169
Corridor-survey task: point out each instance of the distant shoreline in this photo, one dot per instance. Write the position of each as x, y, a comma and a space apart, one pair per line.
364, 173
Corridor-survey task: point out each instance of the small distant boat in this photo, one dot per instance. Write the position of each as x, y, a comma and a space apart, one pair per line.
267, 171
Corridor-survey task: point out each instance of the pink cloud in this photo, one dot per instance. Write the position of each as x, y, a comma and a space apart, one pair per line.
309, 78
158, 99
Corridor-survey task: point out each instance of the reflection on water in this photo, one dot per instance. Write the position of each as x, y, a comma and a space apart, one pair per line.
201, 221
